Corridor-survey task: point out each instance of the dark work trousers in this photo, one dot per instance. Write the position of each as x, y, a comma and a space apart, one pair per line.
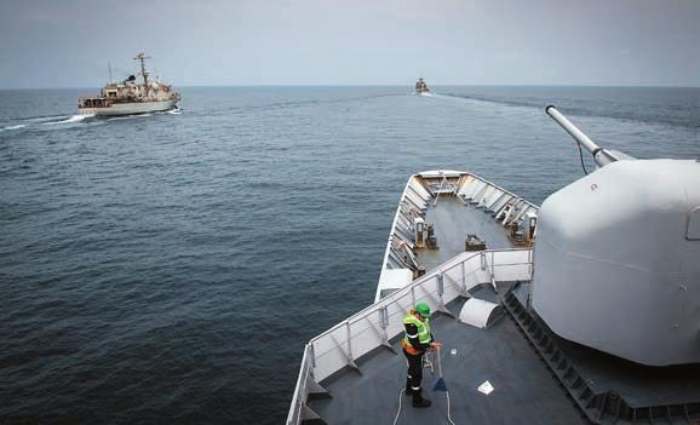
415, 370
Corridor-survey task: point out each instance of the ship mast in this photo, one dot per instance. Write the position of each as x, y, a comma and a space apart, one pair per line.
141, 57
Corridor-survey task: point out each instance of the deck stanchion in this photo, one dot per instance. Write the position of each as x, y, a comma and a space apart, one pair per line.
314, 388
464, 277
439, 299
383, 324
347, 350
348, 333
312, 354
493, 271
441, 293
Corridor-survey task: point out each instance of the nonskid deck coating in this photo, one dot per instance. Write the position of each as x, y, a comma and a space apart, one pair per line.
452, 221
525, 391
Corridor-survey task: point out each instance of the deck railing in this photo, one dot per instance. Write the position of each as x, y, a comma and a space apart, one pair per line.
376, 325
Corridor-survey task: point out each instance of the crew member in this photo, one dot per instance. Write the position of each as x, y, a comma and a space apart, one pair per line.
417, 341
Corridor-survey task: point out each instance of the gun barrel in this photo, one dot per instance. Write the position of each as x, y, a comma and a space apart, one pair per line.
600, 155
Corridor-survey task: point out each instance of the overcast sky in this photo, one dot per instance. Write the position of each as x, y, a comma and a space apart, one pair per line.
68, 43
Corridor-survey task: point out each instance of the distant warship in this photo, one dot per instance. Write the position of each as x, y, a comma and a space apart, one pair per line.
129, 97
422, 87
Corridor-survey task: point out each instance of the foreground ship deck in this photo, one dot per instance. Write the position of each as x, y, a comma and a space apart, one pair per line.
523, 373
354, 372
524, 391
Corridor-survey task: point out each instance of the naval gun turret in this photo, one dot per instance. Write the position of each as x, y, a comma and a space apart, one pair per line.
617, 258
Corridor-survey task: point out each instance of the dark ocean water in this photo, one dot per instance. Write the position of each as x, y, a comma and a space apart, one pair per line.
169, 268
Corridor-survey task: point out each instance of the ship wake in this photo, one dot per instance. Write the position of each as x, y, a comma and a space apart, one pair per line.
72, 119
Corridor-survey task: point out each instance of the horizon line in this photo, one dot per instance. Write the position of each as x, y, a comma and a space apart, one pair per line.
371, 85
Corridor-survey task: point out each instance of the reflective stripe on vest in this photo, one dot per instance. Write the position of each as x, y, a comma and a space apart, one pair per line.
423, 328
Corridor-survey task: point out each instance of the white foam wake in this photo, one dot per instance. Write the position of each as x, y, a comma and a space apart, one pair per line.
71, 119
77, 118
14, 127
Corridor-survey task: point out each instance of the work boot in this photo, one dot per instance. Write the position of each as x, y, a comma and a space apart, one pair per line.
418, 400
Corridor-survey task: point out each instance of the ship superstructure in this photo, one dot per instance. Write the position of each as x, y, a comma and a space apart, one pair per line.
421, 87
131, 96
584, 310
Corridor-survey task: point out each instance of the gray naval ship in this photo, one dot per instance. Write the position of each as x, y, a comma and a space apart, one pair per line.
583, 310
421, 88
128, 97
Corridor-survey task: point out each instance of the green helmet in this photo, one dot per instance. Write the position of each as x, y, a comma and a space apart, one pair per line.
423, 309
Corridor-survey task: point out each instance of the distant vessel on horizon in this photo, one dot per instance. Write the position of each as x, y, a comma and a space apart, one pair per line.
129, 97
422, 88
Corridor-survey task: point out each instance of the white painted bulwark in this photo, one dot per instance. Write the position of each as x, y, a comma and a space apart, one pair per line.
614, 266
394, 279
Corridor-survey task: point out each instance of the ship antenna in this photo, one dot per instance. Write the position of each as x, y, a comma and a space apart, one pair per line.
109, 69
141, 57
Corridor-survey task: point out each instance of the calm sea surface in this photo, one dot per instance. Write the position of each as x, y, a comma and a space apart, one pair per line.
170, 268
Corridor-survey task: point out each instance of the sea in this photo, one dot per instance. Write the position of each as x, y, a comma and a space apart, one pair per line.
169, 268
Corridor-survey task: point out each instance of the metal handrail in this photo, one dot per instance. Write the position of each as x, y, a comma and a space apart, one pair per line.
297, 406
428, 276
310, 358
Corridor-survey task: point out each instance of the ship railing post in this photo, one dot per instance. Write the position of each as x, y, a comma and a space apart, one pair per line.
348, 337
383, 324
493, 270
312, 355
351, 359
346, 348
441, 293
314, 388
437, 300
463, 266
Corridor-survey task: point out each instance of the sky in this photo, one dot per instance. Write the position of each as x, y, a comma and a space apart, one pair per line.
68, 43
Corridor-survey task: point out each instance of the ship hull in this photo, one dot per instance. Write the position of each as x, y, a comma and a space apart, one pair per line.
130, 108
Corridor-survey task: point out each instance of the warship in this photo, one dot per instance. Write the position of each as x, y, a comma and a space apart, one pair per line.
128, 97
421, 87
585, 309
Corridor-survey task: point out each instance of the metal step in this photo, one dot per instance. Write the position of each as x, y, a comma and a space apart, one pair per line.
604, 408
